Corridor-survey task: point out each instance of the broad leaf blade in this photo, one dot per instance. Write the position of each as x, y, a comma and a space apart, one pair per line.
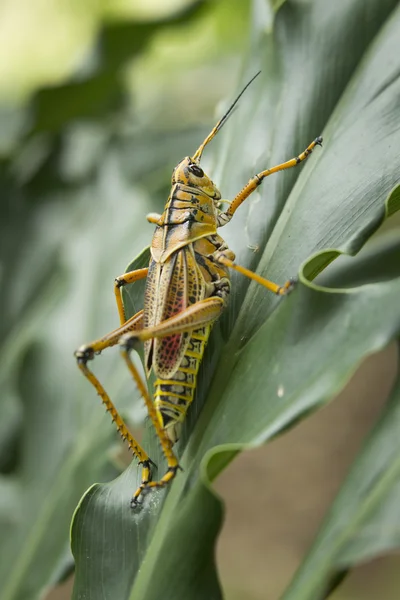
273, 371
363, 521
61, 245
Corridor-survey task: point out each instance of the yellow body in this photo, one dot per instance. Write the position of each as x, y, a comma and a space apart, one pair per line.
180, 275
187, 288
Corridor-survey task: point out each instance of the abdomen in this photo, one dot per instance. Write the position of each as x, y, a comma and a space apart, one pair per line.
172, 397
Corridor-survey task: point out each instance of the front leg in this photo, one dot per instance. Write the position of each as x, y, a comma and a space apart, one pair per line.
226, 257
254, 182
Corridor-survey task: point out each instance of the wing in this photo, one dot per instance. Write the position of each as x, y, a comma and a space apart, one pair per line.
171, 287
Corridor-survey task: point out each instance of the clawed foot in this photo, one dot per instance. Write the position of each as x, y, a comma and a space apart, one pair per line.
288, 287
147, 485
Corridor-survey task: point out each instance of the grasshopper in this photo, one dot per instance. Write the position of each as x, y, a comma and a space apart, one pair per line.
187, 289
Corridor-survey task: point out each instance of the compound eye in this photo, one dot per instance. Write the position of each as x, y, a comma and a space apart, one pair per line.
196, 170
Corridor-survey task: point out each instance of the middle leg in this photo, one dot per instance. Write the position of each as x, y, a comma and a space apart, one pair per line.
223, 258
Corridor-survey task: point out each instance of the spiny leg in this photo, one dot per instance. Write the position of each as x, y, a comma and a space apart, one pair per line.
166, 445
255, 181
86, 353
201, 313
122, 280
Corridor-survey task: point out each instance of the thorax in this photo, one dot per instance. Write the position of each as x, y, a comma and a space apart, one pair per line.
189, 215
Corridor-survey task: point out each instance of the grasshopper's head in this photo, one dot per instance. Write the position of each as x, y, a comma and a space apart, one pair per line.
189, 172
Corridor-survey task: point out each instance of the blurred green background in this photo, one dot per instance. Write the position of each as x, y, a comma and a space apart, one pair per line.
99, 101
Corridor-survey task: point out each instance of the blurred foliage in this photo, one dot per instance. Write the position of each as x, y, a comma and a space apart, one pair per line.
82, 161
77, 159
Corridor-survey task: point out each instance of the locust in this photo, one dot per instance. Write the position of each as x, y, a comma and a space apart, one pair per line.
187, 289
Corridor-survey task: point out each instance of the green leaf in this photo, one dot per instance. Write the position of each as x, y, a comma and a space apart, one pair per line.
69, 223
325, 69
363, 521
53, 442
